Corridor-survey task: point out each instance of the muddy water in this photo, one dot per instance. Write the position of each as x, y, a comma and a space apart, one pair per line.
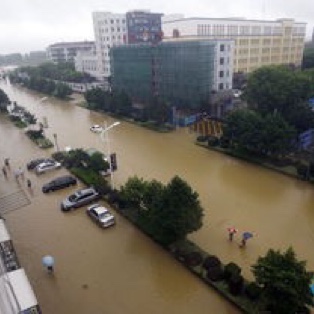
118, 270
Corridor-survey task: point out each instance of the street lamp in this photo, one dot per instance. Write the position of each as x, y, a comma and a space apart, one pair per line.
105, 138
56, 141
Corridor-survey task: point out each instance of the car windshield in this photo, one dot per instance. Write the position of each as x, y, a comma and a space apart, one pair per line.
103, 215
72, 198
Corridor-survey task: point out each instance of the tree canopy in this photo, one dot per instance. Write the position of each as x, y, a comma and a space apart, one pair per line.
168, 213
284, 280
266, 135
278, 89
4, 100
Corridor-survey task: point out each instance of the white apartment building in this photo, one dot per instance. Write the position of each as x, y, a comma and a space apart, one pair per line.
257, 43
110, 30
67, 51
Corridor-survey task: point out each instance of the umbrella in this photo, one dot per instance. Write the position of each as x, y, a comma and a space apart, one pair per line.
232, 230
48, 261
247, 235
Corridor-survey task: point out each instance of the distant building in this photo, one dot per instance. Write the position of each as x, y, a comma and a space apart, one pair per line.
180, 73
67, 51
143, 27
257, 43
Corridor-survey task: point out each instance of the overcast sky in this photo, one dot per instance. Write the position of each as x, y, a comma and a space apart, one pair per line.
28, 25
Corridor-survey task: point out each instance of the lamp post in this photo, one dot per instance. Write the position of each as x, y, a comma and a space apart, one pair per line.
56, 141
105, 138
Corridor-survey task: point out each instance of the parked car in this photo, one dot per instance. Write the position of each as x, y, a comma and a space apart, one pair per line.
35, 162
59, 183
47, 166
96, 128
101, 215
79, 198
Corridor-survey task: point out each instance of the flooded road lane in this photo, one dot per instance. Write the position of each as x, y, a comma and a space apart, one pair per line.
118, 270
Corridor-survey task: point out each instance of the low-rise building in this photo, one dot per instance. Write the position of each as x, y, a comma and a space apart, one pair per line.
67, 51
257, 43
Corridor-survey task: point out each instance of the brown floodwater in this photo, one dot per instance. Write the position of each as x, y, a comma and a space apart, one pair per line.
119, 270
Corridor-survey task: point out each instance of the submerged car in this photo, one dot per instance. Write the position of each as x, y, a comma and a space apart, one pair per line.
59, 183
101, 215
96, 128
47, 166
79, 198
35, 162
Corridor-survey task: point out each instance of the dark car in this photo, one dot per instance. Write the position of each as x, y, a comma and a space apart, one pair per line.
59, 183
35, 162
79, 198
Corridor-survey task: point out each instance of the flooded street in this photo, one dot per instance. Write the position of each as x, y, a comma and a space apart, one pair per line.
120, 270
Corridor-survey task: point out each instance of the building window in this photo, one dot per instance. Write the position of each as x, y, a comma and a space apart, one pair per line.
221, 73
222, 61
222, 47
112, 21
221, 86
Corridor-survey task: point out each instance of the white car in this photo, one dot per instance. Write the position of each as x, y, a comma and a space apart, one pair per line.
47, 166
96, 128
101, 215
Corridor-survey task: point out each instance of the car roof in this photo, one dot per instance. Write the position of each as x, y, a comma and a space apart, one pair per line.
100, 210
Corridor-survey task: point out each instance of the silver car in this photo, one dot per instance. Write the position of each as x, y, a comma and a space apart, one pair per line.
47, 166
101, 215
79, 198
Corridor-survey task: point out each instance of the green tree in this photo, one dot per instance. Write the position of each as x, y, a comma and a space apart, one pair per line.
97, 162
244, 129
308, 58
284, 280
278, 89
62, 90
4, 101
132, 192
179, 215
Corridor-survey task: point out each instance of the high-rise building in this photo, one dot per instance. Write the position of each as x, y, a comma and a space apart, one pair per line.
180, 73
257, 43
143, 27
110, 30
67, 51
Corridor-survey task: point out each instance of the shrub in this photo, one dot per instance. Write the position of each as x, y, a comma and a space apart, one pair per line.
215, 273
213, 141
235, 284
302, 171
34, 134
230, 270
202, 138
211, 261
193, 259
253, 291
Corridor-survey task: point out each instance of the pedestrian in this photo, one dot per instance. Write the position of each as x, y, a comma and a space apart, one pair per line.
232, 231
16, 175
21, 173
243, 243
7, 162
29, 183
4, 172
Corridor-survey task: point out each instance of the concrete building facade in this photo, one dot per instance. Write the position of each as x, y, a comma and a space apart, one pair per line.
257, 43
110, 30
181, 73
67, 51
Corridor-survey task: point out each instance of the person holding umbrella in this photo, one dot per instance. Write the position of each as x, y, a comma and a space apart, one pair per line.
231, 231
245, 236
